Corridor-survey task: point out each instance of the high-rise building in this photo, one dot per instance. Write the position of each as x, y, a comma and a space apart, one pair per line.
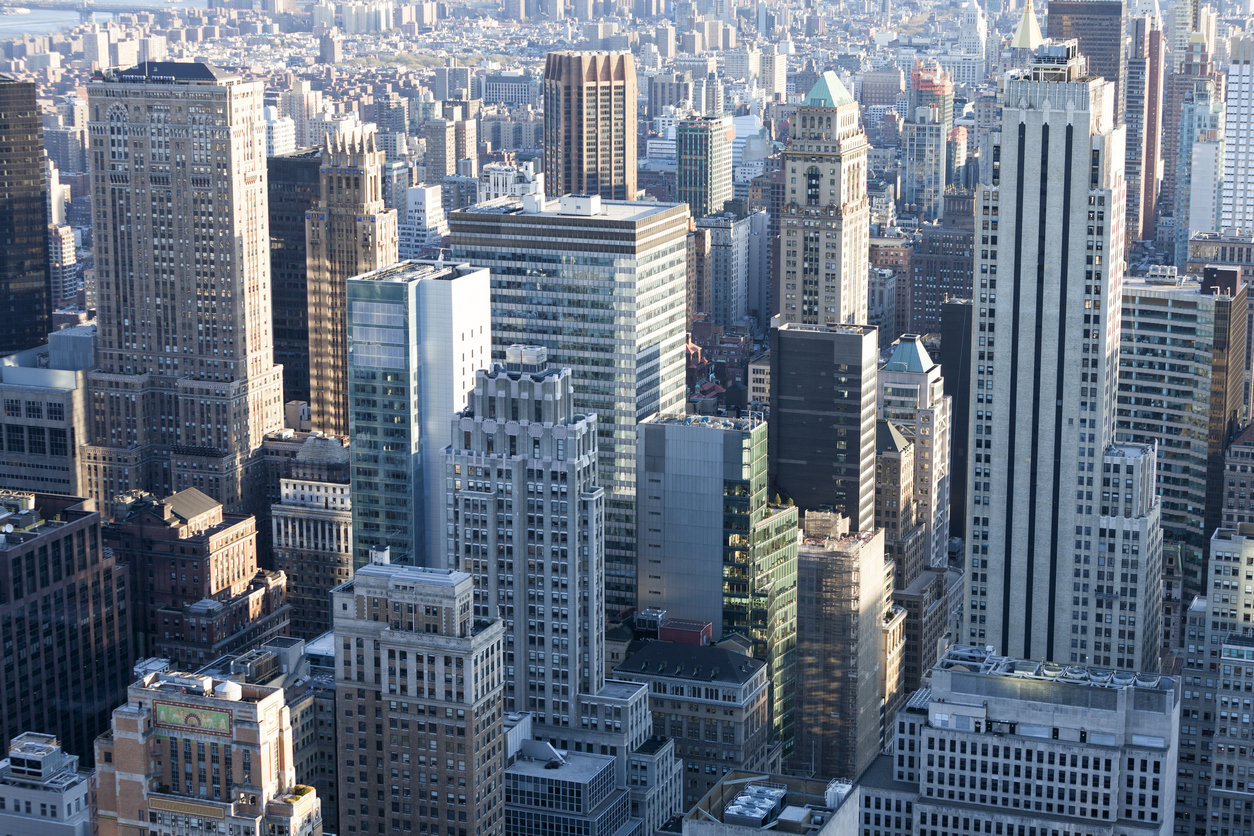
418, 333
1200, 185
44, 390
923, 169
1044, 411
700, 478
1238, 173
590, 124
1100, 29
350, 232
1143, 115
725, 282
896, 514
823, 269
186, 747
424, 224
703, 174
822, 427
312, 532
1219, 644
628, 367
59, 797
522, 470
64, 274
52, 550
199, 592
957, 336
1195, 64
440, 675
942, 262
1119, 727
185, 386
24, 281
538, 774
911, 394
844, 689
1205, 348
294, 186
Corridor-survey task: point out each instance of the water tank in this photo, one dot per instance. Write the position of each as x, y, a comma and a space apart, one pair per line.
228, 690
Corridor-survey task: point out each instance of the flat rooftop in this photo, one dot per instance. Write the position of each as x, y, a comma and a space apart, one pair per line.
580, 767
610, 210
982, 660
712, 422
414, 271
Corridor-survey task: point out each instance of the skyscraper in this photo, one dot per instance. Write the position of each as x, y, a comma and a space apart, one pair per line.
1200, 183
441, 673
823, 266
418, 333
25, 287
700, 478
703, 175
629, 361
1044, 385
520, 448
822, 427
590, 124
923, 169
1100, 28
1238, 176
350, 232
185, 386
1196, 64
1143, 114
294, 186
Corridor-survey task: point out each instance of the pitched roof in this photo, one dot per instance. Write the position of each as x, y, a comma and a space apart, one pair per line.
827, 92
888, 439
177, 70
190, 503
909, 355
1028, 35
707, 663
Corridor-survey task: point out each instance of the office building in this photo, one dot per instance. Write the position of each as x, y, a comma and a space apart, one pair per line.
280, 133
896, 514
643, 354
439, 677
703, 173
350, 232
1213, 783
826, 166
208, 599
180, 400
1195, 63
44, 390
1144, 114
1199, 163
418, 333
1238, 172
590, 124
53, 551
63, 270
1100, 29
449, 141
312, 532
711, 680
743, 803
519, 442
822, 427
1107, 729
45, 790
723, 291
25, 286
239, 736
591, 804
845, 686
424, 224
294, 186
941, 264
923, 169
1038, 391
1192, 416
925, 601
699, 478
911, 394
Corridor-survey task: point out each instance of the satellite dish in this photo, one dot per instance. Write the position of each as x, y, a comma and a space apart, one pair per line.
8, 529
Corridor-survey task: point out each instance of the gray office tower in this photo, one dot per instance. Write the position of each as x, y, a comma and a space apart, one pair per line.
1063, 539
25, 287
600, 284
822, 428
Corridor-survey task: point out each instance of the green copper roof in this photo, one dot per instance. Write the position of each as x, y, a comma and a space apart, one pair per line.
909, 355
827, 92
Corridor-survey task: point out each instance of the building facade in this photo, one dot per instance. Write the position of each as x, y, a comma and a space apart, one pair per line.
45, 790
436, 685
703, 174
418, 333
294, 186
1238, 193
25, 284
350, 232
590, 124
822, 268
188, 748
185, 386
632, 255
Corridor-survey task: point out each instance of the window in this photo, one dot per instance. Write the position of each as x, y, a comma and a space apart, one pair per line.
14, 439
56, 412
34, 409
57, 445
13, 407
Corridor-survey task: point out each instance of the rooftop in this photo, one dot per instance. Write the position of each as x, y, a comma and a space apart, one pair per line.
414, 270
708, 663
170, 72
888, 439
711, 422
982, 660
909, 355
828, 91
580, 767
610, 210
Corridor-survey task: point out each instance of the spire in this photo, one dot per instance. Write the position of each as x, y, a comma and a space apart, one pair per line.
1028, 35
